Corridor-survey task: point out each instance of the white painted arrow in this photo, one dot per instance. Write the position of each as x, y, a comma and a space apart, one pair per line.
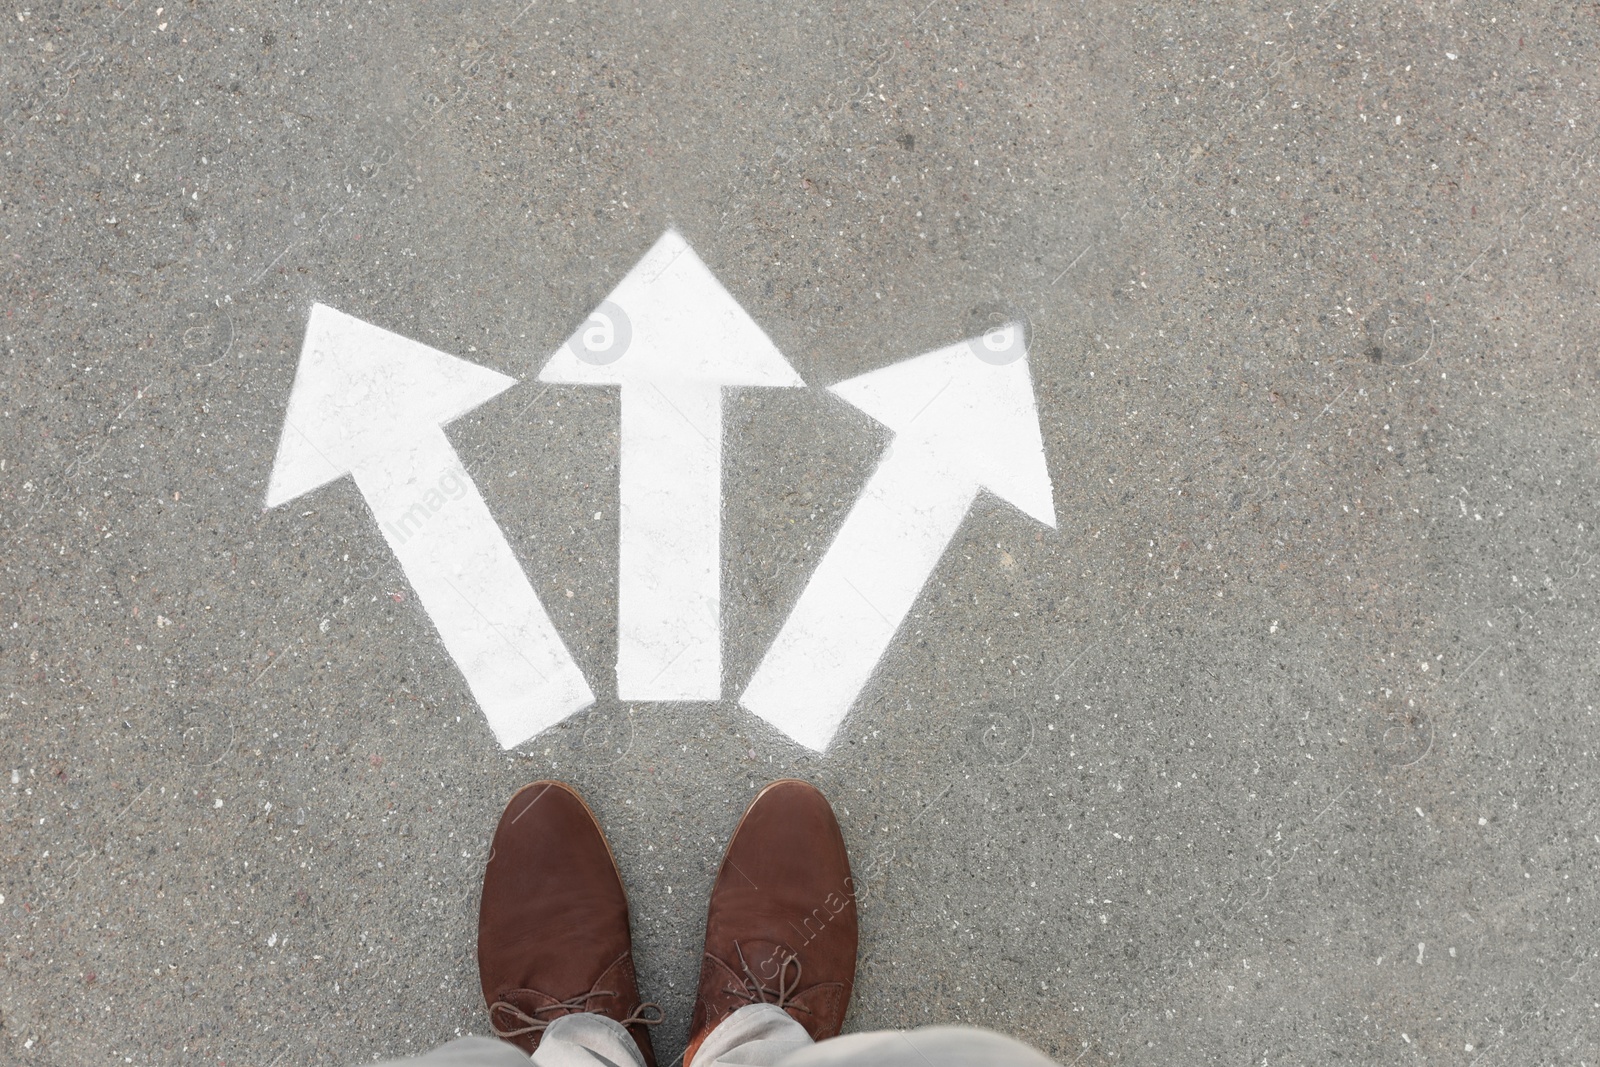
372, 404
673, 338
961, 423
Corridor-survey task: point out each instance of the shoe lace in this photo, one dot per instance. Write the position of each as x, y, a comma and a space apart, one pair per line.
782, 995
531, 1023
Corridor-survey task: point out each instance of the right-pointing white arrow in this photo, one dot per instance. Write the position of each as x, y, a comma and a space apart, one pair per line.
963, 421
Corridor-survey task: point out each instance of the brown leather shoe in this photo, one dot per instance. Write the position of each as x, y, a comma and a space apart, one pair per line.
553, 935
782, 923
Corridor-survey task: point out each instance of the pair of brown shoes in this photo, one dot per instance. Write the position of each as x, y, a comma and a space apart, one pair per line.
553, 935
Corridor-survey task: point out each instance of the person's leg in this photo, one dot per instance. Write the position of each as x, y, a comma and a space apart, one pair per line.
762, 1035
780, 933
587, 1040
931, 1046
555, 955
756, 1035
780, 956
554, 951
581, 1040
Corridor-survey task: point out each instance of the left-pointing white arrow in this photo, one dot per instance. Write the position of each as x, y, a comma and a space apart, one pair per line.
373, 404
673, 338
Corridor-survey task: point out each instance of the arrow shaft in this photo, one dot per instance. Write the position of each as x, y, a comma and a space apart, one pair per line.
476, 593
669, 583
861, 592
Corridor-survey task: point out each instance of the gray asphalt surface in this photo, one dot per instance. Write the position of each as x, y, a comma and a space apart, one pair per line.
1281, 749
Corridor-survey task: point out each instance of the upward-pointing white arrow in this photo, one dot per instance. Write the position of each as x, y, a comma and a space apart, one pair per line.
372, 404
961, 423
673, 338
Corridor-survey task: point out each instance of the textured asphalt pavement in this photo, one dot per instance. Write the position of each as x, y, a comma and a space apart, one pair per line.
1282, 748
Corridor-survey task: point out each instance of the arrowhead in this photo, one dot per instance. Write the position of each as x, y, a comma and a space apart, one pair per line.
361, 391
670, 320
979, 418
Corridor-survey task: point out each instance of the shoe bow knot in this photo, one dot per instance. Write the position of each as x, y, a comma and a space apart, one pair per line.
523, 1022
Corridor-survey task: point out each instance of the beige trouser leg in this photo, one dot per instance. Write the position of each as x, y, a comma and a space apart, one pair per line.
762, 1035
582, 1040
